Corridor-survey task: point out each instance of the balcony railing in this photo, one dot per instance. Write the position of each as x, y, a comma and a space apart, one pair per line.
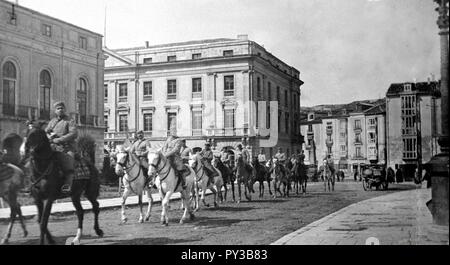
357, 142
228, 93
123, 99
197, 95
148, 97
19, 111
197, 132
171, 96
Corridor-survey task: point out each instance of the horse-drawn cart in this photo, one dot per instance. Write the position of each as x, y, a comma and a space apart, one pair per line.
374, 176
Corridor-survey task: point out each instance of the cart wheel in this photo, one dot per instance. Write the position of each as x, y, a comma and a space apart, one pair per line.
365, 184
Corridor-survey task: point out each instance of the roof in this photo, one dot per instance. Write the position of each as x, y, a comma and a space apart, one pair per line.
426, 88
185, 43
379, 109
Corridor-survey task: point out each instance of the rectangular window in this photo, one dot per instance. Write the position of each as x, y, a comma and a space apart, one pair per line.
228, 53
357, 124
229, 119
228, 86
286, 122
196, 123
105, 119
171, 118
269, 91
279, 119
408, 115
171, 89
46, 30
148, 122
410, 148
268, 116
123, 123
342, 148
278, 94
286, 101
310, 128
148, 91
105, 88
372, 138
258, 87
358, 151
196, 56
123, 92
196, 88
171, 58
83, 43
357, 138
148, 60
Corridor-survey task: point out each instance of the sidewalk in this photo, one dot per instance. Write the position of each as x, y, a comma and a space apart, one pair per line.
67, 207
400, 218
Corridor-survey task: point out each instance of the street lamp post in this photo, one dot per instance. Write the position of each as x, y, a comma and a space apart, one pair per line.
439, 164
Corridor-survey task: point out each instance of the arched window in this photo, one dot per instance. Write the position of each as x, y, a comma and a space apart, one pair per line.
45, 84
9, 88
82, 100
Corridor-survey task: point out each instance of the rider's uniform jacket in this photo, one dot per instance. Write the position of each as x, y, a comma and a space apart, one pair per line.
64, 132
171, 150
262, 158
207, 155
141, 147
280, 157
246, 156
185, 153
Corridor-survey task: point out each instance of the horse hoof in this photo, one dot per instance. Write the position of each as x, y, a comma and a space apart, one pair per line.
141, 220
181, 222
124, 221
216, 205
75, 242
25, 233
147, 218
192, 216
99, 232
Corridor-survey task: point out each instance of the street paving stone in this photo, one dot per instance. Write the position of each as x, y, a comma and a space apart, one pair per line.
400, 218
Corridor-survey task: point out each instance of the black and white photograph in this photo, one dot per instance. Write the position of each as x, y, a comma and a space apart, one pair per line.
262, 123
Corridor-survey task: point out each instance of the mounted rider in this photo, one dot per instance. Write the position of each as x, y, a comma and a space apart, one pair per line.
245, 157
140, 148
330, 163
185, 152
62, 133
225, 157
262, 158
281, 158
171, 150
206, 156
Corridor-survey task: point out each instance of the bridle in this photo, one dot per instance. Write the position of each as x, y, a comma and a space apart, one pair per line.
158, 171
128, 169
200, 167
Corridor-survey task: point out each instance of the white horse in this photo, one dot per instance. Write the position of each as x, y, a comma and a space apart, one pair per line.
202, 182
134, 181
327, 176
162, 174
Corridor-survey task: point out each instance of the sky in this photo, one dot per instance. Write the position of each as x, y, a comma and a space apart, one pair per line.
345, 50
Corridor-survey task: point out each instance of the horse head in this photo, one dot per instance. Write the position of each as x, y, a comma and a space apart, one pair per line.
122, 159
38, 142
156, 163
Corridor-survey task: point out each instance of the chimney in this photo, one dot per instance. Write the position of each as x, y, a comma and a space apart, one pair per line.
432, 77
428, 80
147, 44
242, 37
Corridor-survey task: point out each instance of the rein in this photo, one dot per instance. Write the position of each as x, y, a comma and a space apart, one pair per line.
128, 169
196, 172
158, 171
44, 174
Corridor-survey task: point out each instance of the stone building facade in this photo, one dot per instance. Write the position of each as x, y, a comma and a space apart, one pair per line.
413, 124
209, 87
352, 134
44, 60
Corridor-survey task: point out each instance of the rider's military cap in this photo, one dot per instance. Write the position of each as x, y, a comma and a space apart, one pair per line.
58, 104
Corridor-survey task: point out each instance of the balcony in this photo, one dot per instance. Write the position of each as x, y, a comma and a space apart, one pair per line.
329, 143
357, 142
308, 147
171, 96
310, 132
197, 95
228, 93
147, 98
227, 131
329, 131
123, 99
357, 129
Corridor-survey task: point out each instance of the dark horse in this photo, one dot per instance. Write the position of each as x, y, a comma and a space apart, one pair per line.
227, 175
262, 174
299, 176
47, 179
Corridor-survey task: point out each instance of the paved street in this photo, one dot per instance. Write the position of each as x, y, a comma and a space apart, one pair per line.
396, 219
261, 221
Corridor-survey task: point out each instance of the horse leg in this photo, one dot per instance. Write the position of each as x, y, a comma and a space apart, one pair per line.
44, 223
125, 194
80, 215
96, 209
165, 211
150, 204
141, 214
232, 190
239, 191
203, 196
12, 218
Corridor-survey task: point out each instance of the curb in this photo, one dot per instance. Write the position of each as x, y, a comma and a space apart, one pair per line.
285, 239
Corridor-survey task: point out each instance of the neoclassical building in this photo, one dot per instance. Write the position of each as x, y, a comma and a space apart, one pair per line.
212, 88
44, 60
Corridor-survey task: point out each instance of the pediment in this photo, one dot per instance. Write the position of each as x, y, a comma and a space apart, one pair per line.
114, 59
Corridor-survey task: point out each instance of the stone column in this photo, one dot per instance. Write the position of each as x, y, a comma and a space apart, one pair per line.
439, 164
